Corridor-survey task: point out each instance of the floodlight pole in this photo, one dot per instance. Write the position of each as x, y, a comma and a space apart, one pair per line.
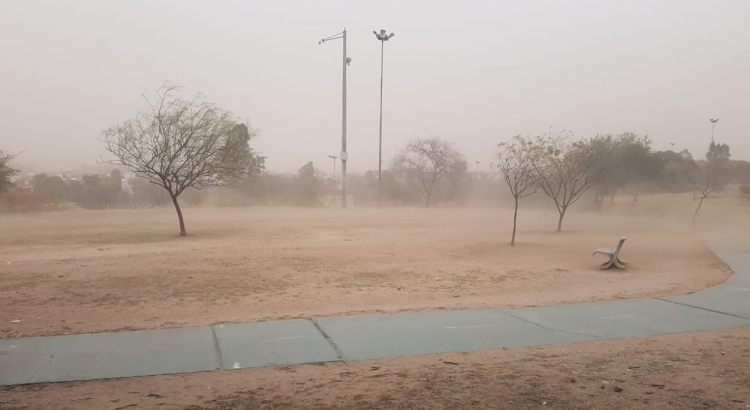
344, 156
334, 158
382, 37
713, 124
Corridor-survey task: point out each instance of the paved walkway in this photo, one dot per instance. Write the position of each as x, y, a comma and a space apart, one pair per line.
359, 337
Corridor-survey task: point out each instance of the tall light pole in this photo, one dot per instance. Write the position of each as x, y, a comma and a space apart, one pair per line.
334, 158
672, 144
382, 37
477, 168
344, 155
713, 124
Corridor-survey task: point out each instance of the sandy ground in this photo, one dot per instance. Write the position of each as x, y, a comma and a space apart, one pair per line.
702, 370
89, 271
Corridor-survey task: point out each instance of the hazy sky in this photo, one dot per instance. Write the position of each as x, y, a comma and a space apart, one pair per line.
473, 72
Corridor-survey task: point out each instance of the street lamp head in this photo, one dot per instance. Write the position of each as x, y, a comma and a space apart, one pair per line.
714, 120
383, 36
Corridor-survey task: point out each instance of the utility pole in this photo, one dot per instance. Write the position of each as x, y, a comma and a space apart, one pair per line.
672, 144
713, 123
344, 156
382, 37
334, 158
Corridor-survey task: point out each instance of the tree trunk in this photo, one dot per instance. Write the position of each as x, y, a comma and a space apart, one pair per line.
515, 218
428, 199
559, 222
698, 209
633, 202
179, 215
598, 200
612, 197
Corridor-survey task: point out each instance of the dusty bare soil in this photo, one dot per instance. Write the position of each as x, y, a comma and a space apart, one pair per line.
702, 370
89, 271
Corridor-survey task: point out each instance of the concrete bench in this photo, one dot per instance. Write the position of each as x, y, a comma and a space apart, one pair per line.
613, 255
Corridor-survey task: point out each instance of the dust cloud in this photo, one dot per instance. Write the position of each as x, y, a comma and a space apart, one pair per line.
126, 269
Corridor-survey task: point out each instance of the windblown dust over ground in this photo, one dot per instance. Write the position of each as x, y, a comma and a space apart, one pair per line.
89, 271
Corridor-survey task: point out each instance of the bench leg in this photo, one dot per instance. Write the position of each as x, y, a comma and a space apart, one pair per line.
616, 262
608, 264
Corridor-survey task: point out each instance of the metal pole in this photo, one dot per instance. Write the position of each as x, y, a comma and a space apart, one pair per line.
380, 136
713, 124
334, 158
712, 130
344, 156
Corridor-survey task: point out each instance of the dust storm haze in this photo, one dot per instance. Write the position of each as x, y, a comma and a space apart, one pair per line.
474, 73
519, 137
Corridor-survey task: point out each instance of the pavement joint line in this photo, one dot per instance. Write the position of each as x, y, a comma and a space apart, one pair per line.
545, 327
217, 349
702, 308
328, 339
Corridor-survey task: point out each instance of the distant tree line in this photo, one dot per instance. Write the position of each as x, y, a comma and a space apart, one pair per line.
193, 152
432, 172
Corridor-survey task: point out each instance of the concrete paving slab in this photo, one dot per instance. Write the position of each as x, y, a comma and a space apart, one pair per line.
626, 318
732, 299
729, 243
733, 296
740, 265
402, 334
734, 249
106, 355
282, 342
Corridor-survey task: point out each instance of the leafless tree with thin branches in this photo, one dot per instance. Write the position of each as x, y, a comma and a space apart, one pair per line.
706, 180
516, 162
177, 144
566, 169
424, 161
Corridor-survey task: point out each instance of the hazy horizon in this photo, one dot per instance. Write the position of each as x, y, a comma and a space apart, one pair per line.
475, 73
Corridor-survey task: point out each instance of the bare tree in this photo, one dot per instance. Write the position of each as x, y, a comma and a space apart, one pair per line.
516, 162
566, 169
177, 144
707, 184
424, 161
